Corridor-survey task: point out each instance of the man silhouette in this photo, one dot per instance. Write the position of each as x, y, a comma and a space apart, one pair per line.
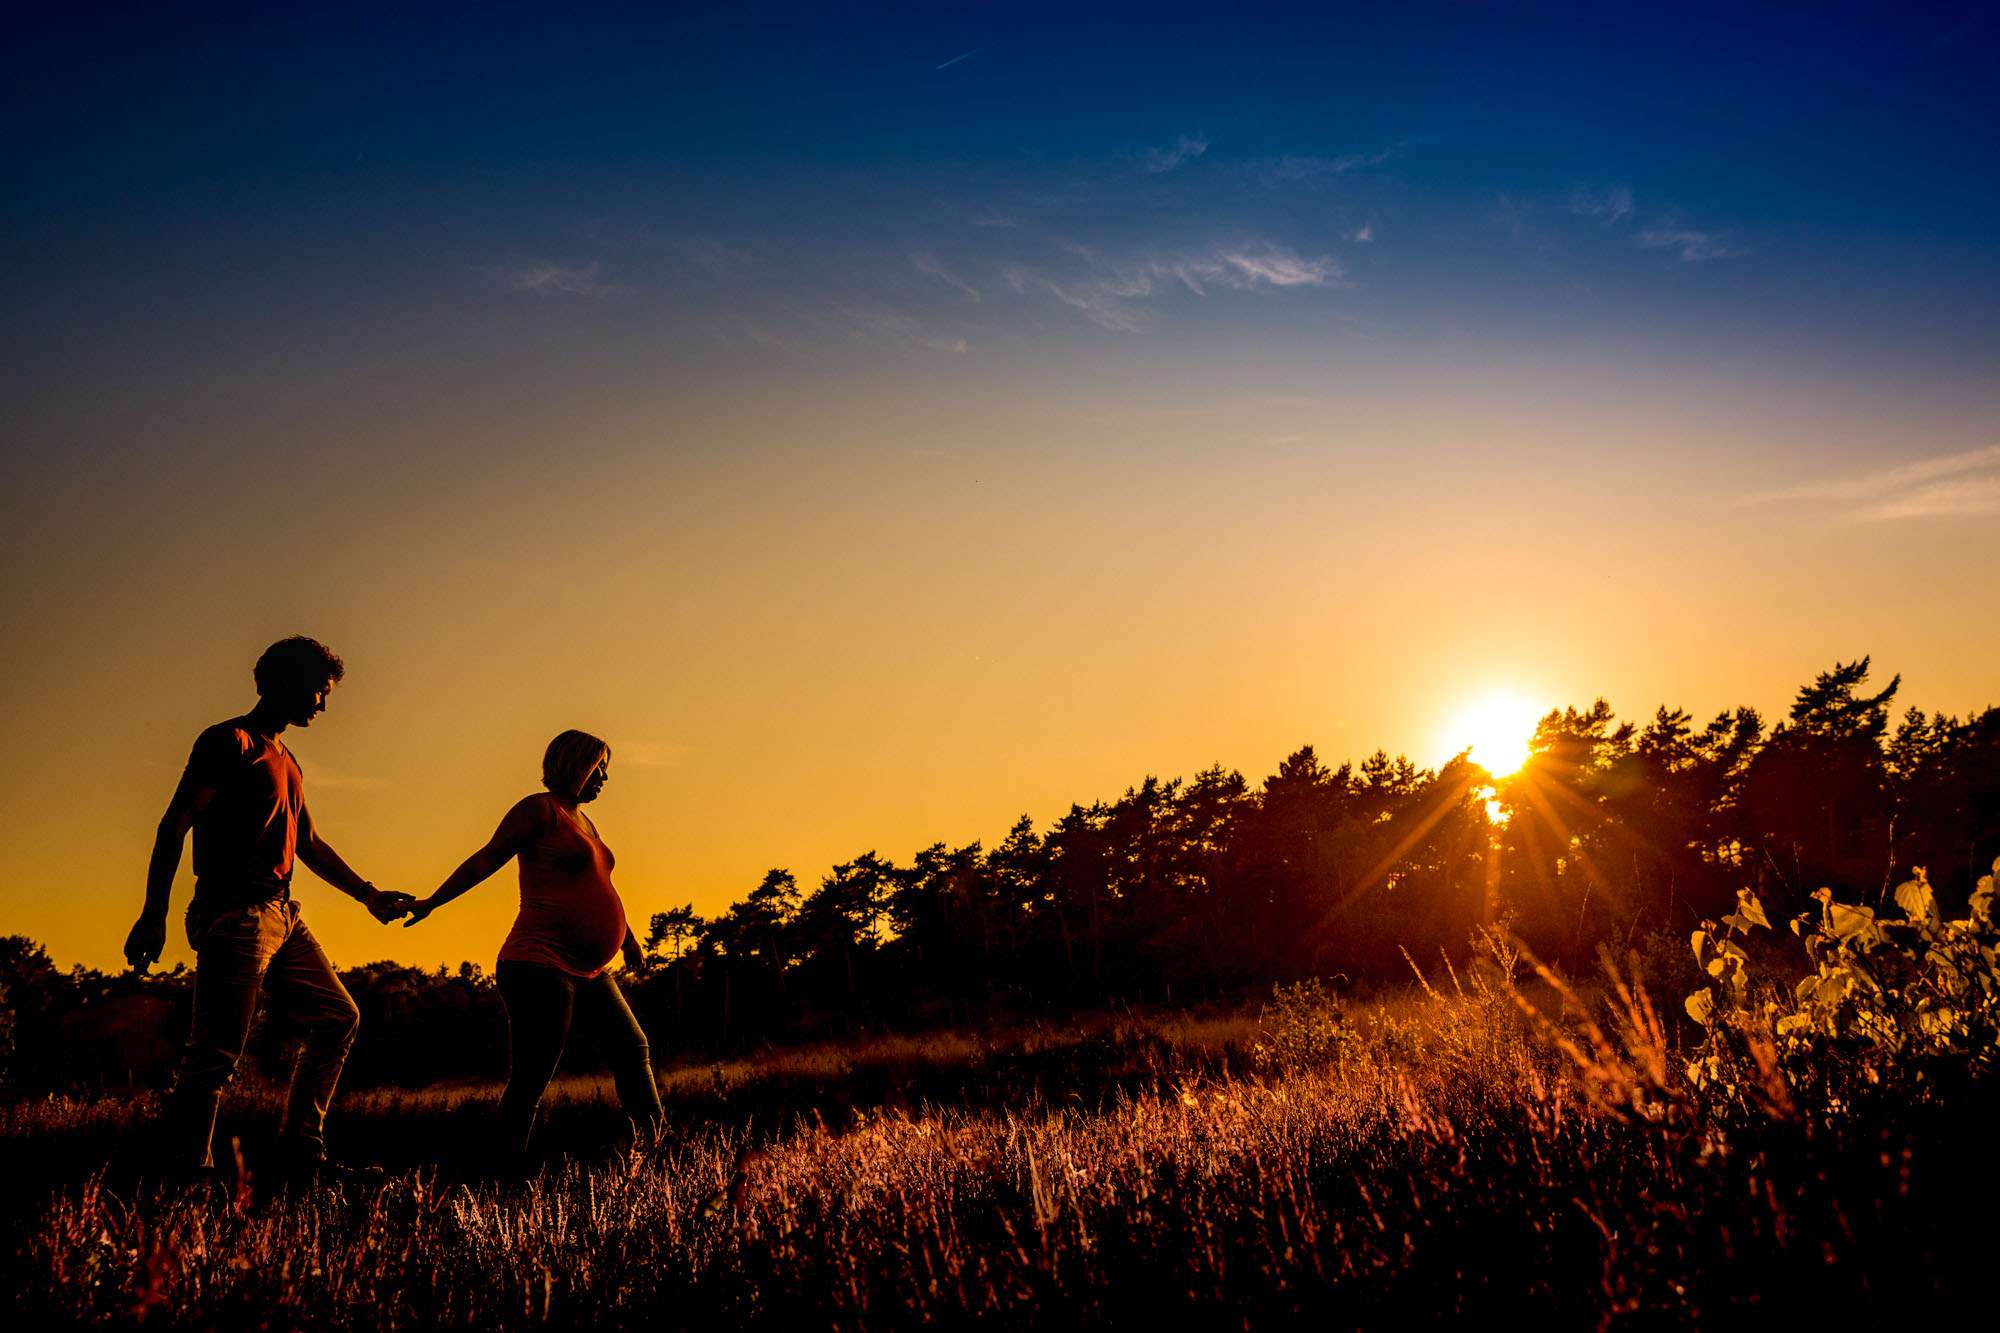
244, 797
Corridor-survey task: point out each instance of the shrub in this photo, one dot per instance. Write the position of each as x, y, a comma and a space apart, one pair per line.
1302, 1026
1883, 1003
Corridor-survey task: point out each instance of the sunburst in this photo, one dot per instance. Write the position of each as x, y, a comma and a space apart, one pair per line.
1497, 726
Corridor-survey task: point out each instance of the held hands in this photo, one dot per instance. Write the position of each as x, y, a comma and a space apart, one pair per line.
386, 905
147, 941
419, 909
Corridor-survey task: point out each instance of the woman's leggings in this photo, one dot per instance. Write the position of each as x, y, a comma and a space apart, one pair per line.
540, 1001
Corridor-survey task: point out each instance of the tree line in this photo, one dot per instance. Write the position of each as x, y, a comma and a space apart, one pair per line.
1208, 888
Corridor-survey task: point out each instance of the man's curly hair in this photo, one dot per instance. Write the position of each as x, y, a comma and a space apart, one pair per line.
297, 663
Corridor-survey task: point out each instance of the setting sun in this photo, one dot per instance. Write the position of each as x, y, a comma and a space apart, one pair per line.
1497, 727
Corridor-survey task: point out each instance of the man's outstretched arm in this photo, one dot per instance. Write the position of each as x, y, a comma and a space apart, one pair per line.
383, 904
148, 938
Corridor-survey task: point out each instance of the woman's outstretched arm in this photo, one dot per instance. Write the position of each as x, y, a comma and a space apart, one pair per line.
635, 956
517, 829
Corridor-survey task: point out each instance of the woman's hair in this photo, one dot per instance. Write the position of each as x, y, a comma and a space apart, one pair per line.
297, 663
569, 759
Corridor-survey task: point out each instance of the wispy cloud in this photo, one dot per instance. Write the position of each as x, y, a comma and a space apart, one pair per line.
1612, 204
963, 55
1262, 264
648, 754
1863, 485
1097, 302
1295, 167
1362, 234
1616, 205
1103, 292
882, 324
547, 278
333, 779
931, 266
1966, 497
1950, 485
1689, 245
1186, 148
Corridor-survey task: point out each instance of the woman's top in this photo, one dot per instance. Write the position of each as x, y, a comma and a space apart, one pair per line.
571, 918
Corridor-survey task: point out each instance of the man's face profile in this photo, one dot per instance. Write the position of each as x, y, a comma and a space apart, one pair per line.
307, 703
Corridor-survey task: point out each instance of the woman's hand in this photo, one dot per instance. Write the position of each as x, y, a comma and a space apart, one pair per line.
422, 908
635, 958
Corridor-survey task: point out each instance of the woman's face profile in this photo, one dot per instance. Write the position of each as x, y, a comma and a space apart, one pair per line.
593, 782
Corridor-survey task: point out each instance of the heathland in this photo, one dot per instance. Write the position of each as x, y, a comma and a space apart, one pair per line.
1486, 1142
1676, 1024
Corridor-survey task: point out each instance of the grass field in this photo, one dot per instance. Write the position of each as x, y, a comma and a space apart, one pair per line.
1429, 1155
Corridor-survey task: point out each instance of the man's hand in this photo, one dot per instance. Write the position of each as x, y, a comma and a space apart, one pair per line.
420, 909
387, 905
147, 941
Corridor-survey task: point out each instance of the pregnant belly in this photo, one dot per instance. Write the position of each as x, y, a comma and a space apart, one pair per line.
578, 932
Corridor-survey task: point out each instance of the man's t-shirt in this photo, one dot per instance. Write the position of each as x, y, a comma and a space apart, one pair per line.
244, 840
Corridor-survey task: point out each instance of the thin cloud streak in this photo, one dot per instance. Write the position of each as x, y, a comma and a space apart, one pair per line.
1279, 268
885, 325
930, 266
649, 754
1967, 498
1864, 485
1103, 292
333, 779
1612, 204
1095, 302
1951, 485
1185, 149
1691, 246
1293, 168
546, 278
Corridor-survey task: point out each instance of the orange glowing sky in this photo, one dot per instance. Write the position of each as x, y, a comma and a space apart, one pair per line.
875, 448
908, 631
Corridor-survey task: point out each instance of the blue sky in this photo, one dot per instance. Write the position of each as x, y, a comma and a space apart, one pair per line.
1409, 173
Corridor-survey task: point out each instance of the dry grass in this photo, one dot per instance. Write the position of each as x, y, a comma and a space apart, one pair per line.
1450, 1163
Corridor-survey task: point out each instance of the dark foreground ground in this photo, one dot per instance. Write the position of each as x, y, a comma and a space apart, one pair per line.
1427, 1158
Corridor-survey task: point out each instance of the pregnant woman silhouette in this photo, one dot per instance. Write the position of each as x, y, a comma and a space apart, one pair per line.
571, 925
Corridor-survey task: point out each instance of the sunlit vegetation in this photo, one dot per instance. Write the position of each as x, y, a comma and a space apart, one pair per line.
1486, 1143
